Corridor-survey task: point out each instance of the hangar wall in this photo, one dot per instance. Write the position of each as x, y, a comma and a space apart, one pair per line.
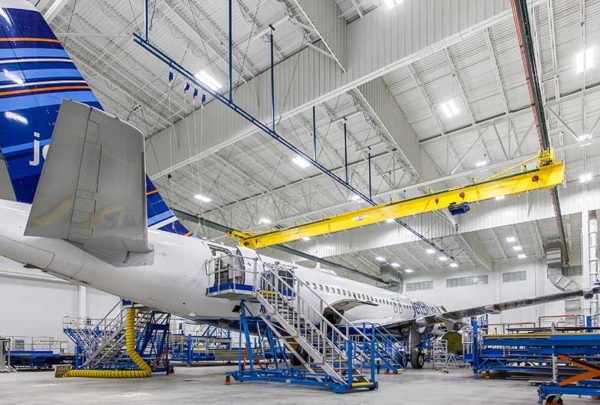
498, 289
32, 304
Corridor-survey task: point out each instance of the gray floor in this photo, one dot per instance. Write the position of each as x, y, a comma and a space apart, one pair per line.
206, 386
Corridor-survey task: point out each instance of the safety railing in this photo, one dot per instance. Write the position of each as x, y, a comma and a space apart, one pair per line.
230, 273
331, 344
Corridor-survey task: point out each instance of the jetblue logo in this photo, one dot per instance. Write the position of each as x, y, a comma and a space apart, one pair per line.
38, 151
423, 309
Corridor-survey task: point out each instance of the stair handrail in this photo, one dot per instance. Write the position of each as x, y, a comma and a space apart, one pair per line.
303, 309
322, 308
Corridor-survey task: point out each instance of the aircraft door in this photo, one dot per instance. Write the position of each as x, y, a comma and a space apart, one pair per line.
252, 266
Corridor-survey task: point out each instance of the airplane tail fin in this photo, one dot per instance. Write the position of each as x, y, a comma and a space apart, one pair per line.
36, 74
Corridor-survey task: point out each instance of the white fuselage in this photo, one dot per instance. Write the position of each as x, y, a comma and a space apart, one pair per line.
176, 281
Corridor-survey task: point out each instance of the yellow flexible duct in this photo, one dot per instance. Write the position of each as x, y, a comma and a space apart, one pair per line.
144, 371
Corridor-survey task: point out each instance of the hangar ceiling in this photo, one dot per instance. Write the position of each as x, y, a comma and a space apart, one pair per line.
471, 60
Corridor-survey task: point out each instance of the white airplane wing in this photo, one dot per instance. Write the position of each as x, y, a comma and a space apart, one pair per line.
453, 317
92, 189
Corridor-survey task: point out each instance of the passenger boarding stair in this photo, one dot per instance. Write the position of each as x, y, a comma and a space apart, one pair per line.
320, 346
101, 343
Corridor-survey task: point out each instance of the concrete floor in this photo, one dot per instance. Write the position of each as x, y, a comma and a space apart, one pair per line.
206, 385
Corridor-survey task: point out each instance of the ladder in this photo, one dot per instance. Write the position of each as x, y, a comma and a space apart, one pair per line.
294, 312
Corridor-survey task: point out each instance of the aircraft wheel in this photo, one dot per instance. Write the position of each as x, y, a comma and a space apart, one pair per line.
417, 359
552, 399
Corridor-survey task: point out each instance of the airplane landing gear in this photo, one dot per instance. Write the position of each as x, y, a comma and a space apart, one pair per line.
417, 359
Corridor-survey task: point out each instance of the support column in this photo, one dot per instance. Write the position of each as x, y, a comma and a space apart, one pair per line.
585, 253
82, 302
593, 261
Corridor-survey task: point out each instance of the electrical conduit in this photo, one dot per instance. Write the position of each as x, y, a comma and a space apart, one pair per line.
144, 368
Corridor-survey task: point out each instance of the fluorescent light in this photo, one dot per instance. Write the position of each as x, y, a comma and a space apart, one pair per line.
409, 271
202, 198
522, 256
443, 258
390, 220
517, 248
392, 3
395, 264
430, 251
584, 137
380, 259
446, 110
450, 109
499, 197
511, 239
584, 61
305, 238
264, 221
453, 107
453, 265
300, 161
207, 79
481, 164
584, 178
355, 197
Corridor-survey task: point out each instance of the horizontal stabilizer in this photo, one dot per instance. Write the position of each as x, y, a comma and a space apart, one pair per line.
92, 190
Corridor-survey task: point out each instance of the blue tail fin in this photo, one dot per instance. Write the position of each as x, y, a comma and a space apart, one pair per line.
36, 73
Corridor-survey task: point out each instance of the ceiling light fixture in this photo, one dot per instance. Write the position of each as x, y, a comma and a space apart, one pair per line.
499, 197
392, 3
584, 178
522, 256
517, 248
264, 221
390, 220
202, 198
584, 137
443, 258
409, 271
355, 197
305, 238
395, 264
300, 161
584, 61
481, 164
430, 251
511, 239
450, 109
453, 265
380, 259
208, 80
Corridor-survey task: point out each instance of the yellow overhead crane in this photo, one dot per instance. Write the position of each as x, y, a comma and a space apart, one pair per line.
547, 175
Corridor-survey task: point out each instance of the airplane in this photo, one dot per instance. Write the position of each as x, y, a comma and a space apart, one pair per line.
84, 209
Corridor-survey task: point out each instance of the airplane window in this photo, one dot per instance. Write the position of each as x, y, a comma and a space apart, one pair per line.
327, 288
333, 290
314, 286
320, 287
354, 294
344, 292
395, 307
338, 290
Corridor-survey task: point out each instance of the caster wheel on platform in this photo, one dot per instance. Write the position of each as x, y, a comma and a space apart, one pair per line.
553, 399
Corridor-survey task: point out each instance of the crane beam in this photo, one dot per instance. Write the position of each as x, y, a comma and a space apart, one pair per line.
544, 177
